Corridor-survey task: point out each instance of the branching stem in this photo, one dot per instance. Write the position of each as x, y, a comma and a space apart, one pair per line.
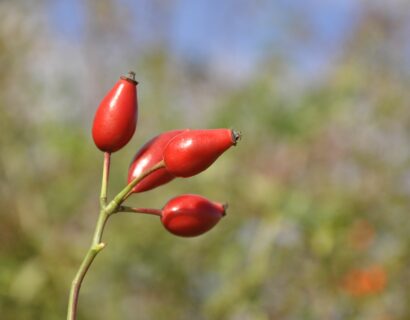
105, 211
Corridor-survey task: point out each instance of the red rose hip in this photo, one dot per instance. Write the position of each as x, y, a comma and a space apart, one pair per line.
146, 157
193, 151
116, 117
191, 215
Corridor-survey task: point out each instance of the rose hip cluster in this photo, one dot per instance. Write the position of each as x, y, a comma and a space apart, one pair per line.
177, 153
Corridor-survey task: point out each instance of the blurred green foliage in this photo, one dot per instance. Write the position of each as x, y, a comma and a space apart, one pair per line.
318, 188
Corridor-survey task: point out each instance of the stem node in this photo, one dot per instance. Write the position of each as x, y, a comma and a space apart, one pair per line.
96, 246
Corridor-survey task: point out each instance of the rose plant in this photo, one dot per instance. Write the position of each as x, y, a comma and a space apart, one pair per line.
177, 153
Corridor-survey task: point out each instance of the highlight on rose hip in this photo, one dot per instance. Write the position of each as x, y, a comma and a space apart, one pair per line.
169, 155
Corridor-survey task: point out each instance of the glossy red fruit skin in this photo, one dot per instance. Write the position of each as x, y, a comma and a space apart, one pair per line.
116, 118
146, 157
195, 150
191, 215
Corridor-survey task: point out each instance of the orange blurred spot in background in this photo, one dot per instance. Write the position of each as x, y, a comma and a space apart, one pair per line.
361, 282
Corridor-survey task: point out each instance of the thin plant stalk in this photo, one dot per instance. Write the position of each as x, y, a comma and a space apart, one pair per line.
96, 245
155, 212
105, 177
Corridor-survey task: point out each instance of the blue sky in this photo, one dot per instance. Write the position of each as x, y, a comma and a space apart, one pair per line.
249, 30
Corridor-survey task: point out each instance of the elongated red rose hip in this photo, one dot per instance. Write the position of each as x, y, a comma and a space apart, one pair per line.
116, 117
190, 215
194, 151
146, 157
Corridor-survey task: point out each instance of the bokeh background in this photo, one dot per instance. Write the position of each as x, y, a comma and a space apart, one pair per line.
319, 187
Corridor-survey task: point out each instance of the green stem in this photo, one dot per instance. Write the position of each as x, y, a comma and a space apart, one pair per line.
155, 212
105, 177
78, 279
95, 248
97, 245
124, 193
